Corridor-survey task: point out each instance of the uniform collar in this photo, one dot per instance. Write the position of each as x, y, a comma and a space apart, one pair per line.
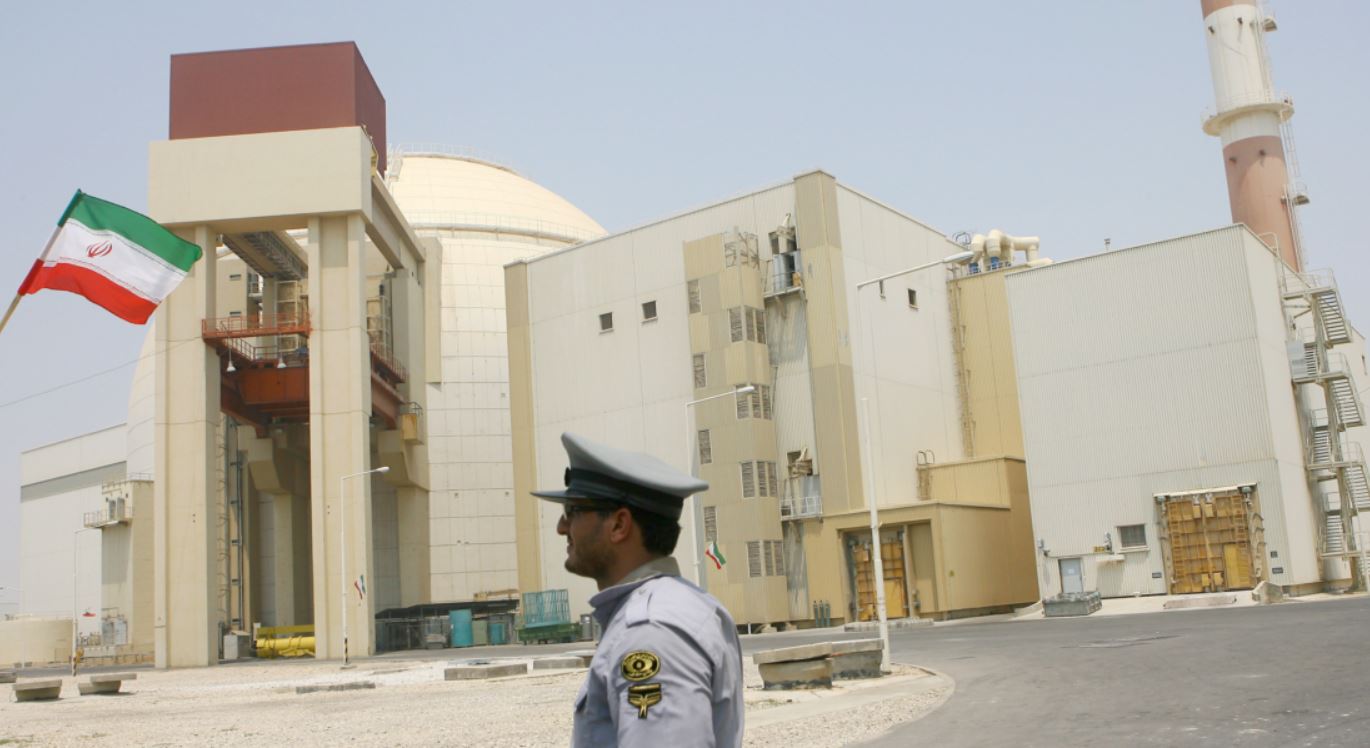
607, 600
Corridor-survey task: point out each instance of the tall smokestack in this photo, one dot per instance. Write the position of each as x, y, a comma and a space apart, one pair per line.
1248, 120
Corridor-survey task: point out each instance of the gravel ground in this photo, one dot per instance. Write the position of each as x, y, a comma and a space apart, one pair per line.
256, 704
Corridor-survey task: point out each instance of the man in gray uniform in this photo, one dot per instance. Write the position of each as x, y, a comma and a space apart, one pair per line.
668, 669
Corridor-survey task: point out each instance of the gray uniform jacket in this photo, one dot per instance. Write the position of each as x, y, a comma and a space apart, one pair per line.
668, 669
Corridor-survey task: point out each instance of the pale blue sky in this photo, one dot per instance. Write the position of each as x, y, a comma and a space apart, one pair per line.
1075, 120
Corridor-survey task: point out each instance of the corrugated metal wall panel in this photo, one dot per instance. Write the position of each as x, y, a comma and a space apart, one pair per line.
915, 404
1151, 369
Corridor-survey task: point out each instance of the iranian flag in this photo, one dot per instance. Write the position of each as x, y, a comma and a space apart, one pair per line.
715, 555
117, 258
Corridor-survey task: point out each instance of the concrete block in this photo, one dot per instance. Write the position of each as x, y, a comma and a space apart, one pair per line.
853, 665
794, 674
793, 654
585, 656
112, 677
1267, 593
8, 676
38, 690
558, 663
481, 672
856, 646
356, 685
1207, 601
1072, 604
894, 624
104, 683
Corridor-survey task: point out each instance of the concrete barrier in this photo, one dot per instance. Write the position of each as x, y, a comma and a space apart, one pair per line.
38, 690
1206, 601
356, 685
856, 659
104, 683
559, 663
8, 676
787, 668
482, 672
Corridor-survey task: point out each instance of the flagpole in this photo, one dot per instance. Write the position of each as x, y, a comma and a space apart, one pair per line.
10, 312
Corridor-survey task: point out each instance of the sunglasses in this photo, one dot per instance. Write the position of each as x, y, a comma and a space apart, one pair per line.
569, 511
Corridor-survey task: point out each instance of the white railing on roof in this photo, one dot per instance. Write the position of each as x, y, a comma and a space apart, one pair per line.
501, 224
466, 153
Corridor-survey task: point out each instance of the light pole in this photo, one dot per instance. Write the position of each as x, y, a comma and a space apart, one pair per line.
697, 506
877, 558
342, 549
75, 597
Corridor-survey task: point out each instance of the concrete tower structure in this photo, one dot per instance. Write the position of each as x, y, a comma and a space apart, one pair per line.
1250, 120
484, 215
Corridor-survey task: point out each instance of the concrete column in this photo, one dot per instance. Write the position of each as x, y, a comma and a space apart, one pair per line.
412, 515
187, 375
339, 432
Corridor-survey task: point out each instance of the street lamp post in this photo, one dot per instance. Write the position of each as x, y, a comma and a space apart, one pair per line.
342, 549
697, 506
75, 596
877, 558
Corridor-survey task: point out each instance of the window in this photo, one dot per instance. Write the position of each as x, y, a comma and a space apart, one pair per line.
235, 313
1132, 536
710, 524
735, 327
606, 322
753, 558
913, 298
756, 404
768, 557
696, 303
648, 311
235, 276
756, 325
706, 448
775, 564
758, 479
701, 372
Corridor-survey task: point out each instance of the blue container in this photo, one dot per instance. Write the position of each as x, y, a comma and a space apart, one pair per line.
546, 608
499, 631
461, 627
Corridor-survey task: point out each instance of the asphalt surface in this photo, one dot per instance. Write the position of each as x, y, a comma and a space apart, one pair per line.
1293, 674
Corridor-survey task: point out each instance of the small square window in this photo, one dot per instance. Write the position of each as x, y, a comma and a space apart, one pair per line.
606, 322
913, 298
1132, 536
648, 311
235, 313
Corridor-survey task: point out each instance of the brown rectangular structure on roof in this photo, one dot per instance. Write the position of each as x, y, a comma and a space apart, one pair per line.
270, 89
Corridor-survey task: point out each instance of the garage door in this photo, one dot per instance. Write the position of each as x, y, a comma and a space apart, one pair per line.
1209, 542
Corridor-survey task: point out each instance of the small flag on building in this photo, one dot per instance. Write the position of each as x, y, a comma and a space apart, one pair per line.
360, 584
715, 555
115, 257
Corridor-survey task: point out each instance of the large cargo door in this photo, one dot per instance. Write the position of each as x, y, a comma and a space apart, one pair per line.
1208, 538
863, 575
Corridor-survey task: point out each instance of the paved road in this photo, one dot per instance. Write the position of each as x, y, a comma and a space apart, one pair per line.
1286, 675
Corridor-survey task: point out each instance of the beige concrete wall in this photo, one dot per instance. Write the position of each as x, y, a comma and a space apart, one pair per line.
980, 534
987, 362
728, 365
185, 500
38, 641
294, 175
520, 344
834, 396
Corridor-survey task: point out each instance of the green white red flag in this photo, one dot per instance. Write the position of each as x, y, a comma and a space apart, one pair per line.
115, 257
715, 555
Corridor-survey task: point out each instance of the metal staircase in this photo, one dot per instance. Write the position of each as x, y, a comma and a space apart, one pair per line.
1329, 458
